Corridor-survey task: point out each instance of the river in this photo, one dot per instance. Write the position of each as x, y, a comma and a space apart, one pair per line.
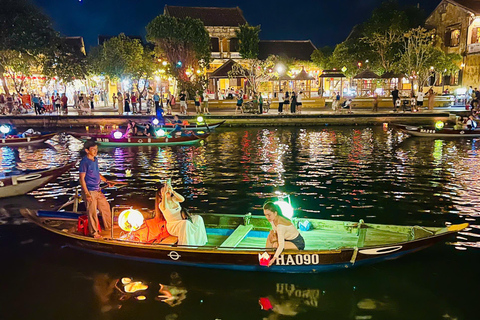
341, 173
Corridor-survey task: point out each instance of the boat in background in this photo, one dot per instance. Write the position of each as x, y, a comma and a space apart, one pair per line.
237, 242
110, 139
193, 127
420, 131
21, 141
21, 184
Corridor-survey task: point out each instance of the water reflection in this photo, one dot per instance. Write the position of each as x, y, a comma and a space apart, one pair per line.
341, 173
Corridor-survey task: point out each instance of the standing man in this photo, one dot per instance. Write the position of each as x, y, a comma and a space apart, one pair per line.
90, 178
64, 101
36, 104
280, 101
395, 97
183, 102
420, 96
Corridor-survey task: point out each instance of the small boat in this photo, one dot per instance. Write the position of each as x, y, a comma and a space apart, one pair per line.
18, 141
193, 127
420, 131
109, 139
237, 242
21, 184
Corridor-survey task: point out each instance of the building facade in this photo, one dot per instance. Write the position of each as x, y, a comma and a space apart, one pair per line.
457, 26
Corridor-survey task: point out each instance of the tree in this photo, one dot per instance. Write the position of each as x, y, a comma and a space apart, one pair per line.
65, 62
25, 33
419, 54
385, 45
120, 57
322, 57
248, 39
186, 45
255, 71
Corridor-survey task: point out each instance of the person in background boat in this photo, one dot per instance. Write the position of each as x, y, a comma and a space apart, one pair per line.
471, 123
189, 229
149, 131
284, 235
90, 179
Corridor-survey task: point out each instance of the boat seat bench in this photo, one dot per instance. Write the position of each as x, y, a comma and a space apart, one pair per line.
237, 236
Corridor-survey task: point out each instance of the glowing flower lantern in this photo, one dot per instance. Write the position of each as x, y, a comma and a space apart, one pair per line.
287, 209
130, 220
117, 135
439, 125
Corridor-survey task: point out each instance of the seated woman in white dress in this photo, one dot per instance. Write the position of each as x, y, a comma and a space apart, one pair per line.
189, 230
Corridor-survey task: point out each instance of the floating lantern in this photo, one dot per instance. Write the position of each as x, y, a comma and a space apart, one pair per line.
130, 220
117, 135
155, 122
199, 119
439, 125
287, 209
385, 125
5, 128
160, 132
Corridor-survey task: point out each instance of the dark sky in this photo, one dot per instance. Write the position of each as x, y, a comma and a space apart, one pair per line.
323, 22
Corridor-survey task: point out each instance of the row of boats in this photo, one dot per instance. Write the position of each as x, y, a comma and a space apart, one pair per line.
235, 242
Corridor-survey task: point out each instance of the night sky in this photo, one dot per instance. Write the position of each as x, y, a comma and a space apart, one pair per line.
322, 21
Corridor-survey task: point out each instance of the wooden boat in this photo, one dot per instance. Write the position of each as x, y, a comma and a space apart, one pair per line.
420, 131
193, 127
237, 242
110, 140
18, 185
25, 141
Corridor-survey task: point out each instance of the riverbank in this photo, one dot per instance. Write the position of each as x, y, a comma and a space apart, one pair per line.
306, 118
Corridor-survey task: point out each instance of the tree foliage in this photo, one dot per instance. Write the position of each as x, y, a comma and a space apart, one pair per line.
25, 33
65, 62
378, 40
322, 57
121, 57
248, 37
255, 71
185, 43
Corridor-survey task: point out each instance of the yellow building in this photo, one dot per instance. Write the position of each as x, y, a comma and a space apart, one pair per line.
457, 26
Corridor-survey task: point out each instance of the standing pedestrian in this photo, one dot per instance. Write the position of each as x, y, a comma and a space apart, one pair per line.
90, 179
420, 96
58, 104
395, 97
197, 100
64, 101
127, 103
293, 103
375, 102
260, 103
280, 102
431, 99
114, 99
239, 104
183, 102
36, 104
299, 102
133, 99
205, 103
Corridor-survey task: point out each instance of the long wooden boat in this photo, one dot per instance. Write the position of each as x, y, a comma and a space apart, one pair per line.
237, 242
26, 141
18, 185
193, 127
420, 131
109, 140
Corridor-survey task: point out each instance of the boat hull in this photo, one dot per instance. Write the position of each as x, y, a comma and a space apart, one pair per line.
432, 132
241, 258
21, 184
108, 140
25, 141
207, 128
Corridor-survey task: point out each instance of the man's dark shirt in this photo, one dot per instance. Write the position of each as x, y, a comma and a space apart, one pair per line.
395, 94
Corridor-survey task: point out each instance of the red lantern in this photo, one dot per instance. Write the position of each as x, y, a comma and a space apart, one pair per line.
34, 78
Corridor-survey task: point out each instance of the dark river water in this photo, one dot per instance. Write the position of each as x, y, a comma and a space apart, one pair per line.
341, 173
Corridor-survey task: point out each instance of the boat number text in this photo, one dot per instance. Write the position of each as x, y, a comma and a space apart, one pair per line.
297, 259
427, 131
174, 255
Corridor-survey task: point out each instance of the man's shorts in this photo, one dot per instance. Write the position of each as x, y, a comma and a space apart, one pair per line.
420, 103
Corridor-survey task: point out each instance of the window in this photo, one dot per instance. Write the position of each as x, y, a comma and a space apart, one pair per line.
454, 38
476, 35
215, 45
